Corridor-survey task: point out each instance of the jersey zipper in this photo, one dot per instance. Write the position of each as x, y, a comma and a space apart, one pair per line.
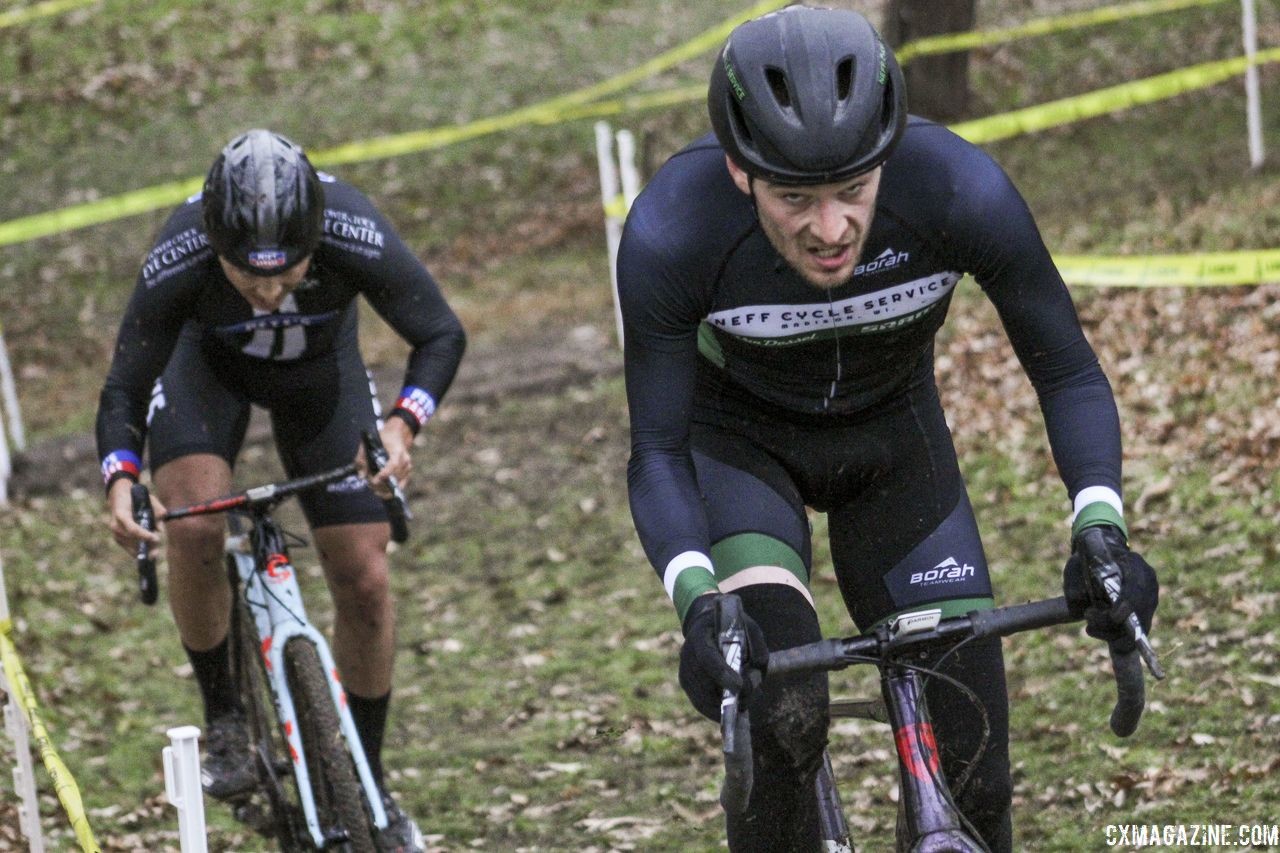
831, 392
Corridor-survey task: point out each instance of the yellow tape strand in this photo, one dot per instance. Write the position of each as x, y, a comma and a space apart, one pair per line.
578, 105
64, 784
13, 17
1111, 99
1216, 269
550, 111
952, 42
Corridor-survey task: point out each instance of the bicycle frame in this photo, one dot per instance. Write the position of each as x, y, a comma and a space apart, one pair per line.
928, 820
268, 582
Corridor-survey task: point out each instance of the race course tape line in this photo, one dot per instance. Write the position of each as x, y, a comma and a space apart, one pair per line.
952, 42
583, 103
1210, 269
13, 17
64, 784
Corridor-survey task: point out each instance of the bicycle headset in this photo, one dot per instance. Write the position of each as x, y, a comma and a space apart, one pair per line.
807, 95
263, 204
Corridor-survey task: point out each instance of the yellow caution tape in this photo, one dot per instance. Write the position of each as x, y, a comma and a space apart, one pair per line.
95, 212
552, 111
64, 784
13, 17
1102, 101
584, 103
1217, 269
951, 42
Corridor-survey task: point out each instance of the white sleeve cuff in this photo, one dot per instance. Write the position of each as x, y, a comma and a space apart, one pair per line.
1097, 494
680, 562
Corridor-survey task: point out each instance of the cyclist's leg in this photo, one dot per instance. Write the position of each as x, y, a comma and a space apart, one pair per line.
317, 423
196, 425
908, 539
761, 552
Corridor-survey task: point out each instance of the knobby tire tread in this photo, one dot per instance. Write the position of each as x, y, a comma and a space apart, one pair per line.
260, 719
334, 783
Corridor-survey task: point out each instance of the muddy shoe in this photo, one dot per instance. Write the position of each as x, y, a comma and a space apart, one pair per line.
227, 769
402, 834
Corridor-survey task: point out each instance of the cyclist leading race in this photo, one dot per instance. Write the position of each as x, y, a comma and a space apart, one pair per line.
782, 281
248, 296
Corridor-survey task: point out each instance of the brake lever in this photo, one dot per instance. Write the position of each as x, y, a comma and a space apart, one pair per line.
145, 517
398, 511
1108, 576
735, 724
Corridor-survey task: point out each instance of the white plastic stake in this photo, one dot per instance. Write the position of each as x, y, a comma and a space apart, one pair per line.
182, 786
10, 395
6, 466
1253, 97
614, 211
15, 725
627, 165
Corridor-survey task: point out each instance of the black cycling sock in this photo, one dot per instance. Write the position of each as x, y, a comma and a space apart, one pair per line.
370, 717
212, 669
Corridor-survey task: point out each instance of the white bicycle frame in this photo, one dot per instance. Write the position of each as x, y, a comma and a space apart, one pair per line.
275, 600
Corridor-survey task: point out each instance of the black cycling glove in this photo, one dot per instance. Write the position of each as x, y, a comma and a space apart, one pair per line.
704, 675
1139, 589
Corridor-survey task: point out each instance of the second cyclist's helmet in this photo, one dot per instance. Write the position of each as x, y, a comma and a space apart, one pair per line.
263, 204
807, 96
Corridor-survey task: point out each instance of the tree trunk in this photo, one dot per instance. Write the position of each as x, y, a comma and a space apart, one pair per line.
937, 86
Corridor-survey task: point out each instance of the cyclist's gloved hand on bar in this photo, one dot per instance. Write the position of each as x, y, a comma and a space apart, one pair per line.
1139, 589
704, 675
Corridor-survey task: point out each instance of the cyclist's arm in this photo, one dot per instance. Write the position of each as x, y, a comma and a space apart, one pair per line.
660, 333
1010, 261
405, 294
148, 333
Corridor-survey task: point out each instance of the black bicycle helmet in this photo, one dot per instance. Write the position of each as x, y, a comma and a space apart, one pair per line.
807, 96
262, 202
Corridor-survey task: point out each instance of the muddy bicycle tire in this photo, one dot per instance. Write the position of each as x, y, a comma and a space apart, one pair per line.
339, 797
280, 819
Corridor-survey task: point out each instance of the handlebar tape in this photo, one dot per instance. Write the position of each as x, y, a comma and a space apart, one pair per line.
1130, 692
821, 655
1020, 617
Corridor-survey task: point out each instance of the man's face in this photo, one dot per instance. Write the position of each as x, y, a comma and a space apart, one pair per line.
265, 292
819, 230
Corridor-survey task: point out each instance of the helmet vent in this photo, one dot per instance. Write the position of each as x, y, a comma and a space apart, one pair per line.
844, 78
778, 85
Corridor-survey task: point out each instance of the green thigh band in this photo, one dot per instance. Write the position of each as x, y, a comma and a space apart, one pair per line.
745, 550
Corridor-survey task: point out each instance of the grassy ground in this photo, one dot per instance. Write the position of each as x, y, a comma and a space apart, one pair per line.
536, 706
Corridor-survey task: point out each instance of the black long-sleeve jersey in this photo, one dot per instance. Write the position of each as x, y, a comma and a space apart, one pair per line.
181, 284
703, 289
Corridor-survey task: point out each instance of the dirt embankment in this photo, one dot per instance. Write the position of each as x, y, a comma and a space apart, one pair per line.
491, 370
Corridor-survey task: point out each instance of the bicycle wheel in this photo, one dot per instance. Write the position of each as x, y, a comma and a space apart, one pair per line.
281, 819
334, 784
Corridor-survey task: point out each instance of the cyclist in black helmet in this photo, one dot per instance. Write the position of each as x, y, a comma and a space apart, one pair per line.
782, 281
248, 297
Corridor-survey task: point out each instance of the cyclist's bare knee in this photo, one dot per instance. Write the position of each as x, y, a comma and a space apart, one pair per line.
758, 575
355, 564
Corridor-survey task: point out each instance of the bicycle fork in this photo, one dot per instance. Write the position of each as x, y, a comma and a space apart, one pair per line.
928, 820
275, 600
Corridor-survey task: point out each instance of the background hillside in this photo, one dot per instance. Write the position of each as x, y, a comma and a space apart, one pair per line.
536, 706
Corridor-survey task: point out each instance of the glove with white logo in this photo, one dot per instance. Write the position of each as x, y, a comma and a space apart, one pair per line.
1139, 588
704, 675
